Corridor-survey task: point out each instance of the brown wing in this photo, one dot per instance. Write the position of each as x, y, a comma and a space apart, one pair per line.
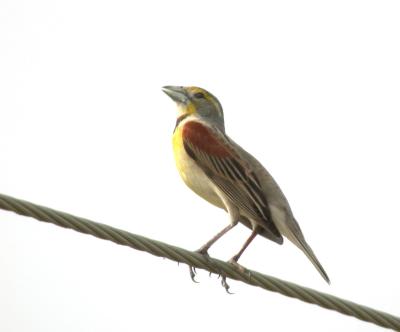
213, 153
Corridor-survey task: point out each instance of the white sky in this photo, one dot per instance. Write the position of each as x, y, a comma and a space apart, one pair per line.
310, 88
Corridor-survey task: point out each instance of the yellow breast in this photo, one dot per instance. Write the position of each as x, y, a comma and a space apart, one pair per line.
192, 174
179, 151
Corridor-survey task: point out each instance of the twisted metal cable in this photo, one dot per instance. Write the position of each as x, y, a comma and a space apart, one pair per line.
199, 261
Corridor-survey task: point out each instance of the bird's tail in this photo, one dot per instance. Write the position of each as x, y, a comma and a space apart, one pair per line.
288, 227
314, 260
301, 243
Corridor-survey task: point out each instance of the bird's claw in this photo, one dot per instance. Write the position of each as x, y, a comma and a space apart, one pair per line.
225, 284
192, 269
193, 272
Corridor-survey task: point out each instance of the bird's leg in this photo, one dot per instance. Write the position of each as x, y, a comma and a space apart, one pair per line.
234, 259
234, 216
204, 248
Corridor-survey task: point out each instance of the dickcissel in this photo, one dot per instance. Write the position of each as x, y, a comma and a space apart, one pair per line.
224, 174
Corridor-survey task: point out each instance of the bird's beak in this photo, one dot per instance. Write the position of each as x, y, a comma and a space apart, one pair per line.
177, 93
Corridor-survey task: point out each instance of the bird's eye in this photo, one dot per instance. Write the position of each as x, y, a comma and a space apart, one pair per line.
199, 95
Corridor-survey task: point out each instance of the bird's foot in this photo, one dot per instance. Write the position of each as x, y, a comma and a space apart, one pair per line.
239, 267
225, 284
192, 270
203, 251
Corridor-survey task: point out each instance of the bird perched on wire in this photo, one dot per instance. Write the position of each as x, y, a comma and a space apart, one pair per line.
224, 174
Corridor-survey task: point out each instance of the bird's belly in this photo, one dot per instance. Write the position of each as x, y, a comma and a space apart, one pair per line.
192, 174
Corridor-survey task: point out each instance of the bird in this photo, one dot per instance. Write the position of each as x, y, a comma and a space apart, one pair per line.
220, 171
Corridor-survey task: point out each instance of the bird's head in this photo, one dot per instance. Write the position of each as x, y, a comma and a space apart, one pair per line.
196, 101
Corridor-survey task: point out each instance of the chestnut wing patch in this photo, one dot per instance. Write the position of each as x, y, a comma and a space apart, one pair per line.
203, 139
211, 150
